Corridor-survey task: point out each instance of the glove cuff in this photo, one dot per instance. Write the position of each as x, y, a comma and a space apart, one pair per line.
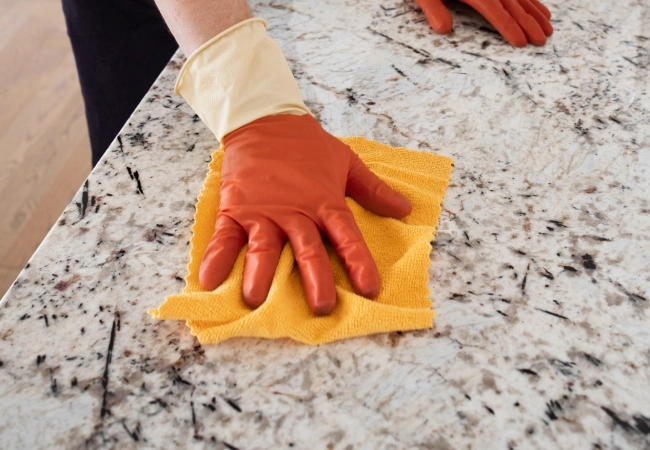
237, 77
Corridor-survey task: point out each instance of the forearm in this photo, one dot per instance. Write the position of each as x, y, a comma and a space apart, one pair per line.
194, 22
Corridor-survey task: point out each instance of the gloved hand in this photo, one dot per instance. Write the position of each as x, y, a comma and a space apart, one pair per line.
283, 176
518, 21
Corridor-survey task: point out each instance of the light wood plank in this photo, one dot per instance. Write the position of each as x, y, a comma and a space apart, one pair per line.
44, 146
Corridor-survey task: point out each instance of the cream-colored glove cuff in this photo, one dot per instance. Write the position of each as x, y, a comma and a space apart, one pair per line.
237, 77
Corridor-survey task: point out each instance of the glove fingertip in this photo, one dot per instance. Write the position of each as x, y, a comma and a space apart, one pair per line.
516, 38
253, 298
403, 207
206, 277
437, 14
323, 308
443, 26
371, 291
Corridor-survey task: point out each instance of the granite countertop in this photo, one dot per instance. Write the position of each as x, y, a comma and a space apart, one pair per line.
539, 273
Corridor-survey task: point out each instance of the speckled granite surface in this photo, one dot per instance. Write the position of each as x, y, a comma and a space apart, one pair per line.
539, 274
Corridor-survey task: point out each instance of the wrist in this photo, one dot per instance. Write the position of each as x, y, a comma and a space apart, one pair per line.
237, 77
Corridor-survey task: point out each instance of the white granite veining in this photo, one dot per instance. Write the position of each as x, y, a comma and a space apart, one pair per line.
538, 274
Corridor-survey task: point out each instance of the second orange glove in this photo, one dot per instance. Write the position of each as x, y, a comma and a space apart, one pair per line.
518, 21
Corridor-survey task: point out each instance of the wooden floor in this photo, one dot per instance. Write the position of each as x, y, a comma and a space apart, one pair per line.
44, 147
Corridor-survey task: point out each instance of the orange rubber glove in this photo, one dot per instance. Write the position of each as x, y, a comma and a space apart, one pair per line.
519, 21
284, 177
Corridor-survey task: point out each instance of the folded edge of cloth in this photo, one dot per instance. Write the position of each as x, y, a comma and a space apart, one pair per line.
400, 248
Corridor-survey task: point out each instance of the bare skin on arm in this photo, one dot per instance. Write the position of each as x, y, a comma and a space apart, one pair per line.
195, 22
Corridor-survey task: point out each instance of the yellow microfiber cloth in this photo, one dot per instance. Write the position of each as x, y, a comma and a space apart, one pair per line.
400, 248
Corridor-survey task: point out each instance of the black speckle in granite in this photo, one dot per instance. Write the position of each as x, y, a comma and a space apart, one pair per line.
178, 379
490, 410
588, 261
557, 223
128, 169
138, 139
642, 424
191, 147
84, 201
523, 282
53, 385
229, 446
159, 401
552, 408
569, 269
547, 274
109, 356
416, 50
617, 420
630, 61
135, 434
476, 55
449, 63
631, 296
137, 179
564, 367
40, 359
195, 425
232, 404
592, 359
459, 298
528, 372
352, 99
